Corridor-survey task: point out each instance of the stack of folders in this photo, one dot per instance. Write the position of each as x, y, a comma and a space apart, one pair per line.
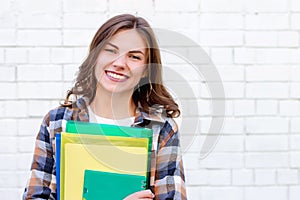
100, 161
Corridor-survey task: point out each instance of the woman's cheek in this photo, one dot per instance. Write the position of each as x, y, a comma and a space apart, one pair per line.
98, 72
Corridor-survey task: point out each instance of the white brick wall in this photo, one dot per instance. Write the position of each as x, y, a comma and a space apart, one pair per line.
294, 192
77, 37
83, 6
266, 107
38, 37
242, 177
260, 193
264, 177
270, 21
266, 6
7, 37
254, 45
266, 143
226, 193
39, 20
221, 6
16, 55
266, 73
221, 38
34, 73
39, 55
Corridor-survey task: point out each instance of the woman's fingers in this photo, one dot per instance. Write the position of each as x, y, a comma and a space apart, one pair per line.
141, 195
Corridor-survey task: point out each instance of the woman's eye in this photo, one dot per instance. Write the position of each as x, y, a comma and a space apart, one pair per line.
135, 57
111, 50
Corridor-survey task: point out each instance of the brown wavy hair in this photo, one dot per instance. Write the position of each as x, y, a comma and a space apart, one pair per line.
150, 91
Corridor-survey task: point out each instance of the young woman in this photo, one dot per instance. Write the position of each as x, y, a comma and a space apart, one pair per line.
120, 82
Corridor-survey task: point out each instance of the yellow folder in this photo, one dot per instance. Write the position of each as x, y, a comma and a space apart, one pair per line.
80, 152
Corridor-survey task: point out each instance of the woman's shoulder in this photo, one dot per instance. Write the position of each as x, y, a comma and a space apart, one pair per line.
158, 114
170, 123
63, 112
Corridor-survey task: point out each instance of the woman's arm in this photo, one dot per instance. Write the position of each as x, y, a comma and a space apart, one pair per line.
41, 183
169, 175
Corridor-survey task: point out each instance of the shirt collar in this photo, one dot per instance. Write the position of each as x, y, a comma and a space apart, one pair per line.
141, 118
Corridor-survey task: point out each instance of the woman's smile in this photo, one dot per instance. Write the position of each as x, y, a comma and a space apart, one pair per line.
116, 77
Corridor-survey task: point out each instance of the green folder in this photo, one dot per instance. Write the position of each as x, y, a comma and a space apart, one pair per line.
109, 130
112, 186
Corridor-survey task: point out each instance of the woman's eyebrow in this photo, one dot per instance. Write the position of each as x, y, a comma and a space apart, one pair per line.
113, 45
136, 51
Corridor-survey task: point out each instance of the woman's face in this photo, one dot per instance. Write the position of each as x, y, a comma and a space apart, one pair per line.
121, 63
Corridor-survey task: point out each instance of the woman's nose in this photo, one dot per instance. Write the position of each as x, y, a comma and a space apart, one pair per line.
120, 61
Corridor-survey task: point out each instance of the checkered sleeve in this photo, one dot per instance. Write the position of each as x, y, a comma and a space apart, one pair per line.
41, 183
169, 176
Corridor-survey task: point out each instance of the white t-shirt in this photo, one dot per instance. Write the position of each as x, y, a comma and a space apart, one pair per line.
101, 120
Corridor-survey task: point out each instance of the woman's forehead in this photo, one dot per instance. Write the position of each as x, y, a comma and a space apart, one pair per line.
128, 40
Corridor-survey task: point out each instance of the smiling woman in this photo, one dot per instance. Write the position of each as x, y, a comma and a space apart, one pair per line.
120, 82
121, 64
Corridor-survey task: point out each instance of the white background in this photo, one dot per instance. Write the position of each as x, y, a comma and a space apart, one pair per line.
253, 43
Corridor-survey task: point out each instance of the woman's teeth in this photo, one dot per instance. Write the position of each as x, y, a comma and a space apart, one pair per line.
116, 76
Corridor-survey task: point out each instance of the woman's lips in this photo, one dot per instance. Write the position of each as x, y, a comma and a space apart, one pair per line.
114, 76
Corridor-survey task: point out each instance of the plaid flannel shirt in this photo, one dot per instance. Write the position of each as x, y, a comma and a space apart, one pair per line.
167, 179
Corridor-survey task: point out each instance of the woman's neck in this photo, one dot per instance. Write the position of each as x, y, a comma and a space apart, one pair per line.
113, 106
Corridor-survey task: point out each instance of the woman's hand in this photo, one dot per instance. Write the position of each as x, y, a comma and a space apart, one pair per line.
141, 195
